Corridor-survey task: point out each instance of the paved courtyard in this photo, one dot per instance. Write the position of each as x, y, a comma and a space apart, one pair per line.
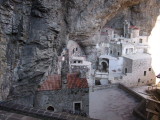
112, 104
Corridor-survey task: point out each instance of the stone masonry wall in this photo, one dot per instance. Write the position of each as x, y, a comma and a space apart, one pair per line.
127, 63
137, 77
62, 99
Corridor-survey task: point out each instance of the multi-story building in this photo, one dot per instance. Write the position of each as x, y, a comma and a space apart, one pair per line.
126, 59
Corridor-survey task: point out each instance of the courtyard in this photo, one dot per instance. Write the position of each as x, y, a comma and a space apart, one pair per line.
112, 104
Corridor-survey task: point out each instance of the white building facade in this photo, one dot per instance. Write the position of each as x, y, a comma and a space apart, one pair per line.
126, 59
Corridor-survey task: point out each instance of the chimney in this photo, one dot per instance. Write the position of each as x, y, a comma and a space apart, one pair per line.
65, 67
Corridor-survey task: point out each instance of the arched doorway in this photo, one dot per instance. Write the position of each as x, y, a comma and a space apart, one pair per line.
50, 108
104, 67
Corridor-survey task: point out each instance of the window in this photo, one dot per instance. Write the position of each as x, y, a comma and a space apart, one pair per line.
149, 69
140, 40
76, 49
73, 51
79, 61
125, 70
145, 73
126, 51
77, 106
111, 52
130, 50
74, 62
97, 82
118, 53
139, 80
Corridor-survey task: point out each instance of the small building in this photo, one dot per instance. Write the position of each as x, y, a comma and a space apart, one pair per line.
77, 61
74, 49
107, 34
52, 96
137, 68
69, 89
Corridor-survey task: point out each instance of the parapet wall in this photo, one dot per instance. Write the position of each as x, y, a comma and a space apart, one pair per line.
39, 113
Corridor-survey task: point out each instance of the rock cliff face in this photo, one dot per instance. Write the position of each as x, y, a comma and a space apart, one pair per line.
33, 33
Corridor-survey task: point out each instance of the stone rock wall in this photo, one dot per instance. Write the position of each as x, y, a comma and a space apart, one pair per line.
30, 34
33, 33
63, 99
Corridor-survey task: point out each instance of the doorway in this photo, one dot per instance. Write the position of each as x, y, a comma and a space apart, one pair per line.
104, 67
126, 70
50, 108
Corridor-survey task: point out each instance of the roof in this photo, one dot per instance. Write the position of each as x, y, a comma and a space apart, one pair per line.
78, 58
138, 56
75, 82
158, 76
53, 82
134, 27
108, 57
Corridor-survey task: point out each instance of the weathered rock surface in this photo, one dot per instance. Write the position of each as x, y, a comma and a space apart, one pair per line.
33, 33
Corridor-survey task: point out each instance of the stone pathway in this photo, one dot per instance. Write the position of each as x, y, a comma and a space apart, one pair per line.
112, 104
13, 116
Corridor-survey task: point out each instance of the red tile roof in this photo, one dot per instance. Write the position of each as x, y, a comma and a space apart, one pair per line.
54, 82
75, 82
158, 76
134, 27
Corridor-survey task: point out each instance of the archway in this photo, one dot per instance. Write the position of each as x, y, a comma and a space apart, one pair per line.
50, 108
104, 67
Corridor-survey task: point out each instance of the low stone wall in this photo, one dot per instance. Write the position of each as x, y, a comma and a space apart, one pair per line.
39, 113
140, 108
133, 93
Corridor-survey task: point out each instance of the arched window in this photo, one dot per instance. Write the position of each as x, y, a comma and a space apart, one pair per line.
50, 108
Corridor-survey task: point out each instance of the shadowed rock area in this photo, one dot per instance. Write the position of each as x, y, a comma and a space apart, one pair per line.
33, 33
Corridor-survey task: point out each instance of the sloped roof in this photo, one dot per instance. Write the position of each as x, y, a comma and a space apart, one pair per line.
53, 82
75, 82
134, 27
158, 76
